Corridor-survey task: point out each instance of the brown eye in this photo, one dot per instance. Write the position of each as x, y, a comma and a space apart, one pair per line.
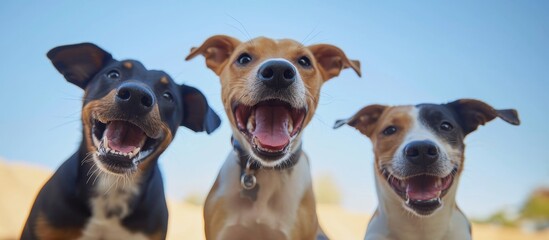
446, 126
168, 96
113, 74
390, 130
304, 61
244, 59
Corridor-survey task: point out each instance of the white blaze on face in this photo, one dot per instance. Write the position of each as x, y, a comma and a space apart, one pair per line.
419, 131
295, 94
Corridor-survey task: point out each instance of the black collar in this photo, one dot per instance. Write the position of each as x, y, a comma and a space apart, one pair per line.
244, 156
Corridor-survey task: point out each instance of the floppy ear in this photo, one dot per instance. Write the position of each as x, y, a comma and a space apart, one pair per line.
364, 120
79, 62
332, 60
216, 50
473, 113
197, 114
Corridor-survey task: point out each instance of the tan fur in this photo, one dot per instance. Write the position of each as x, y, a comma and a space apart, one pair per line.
285, 206
128, 65
280, 211
164, 80
44, 230
385, 146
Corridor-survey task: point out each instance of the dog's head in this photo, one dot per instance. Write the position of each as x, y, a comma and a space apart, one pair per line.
419, 150
130, 114
270, 89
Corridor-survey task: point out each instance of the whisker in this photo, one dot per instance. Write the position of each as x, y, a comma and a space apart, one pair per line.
96, 175
309, 34
63, 124
250, 39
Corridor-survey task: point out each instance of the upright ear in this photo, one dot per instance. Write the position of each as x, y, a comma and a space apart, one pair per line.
79, 62
216, 50
473, 113
332, 60
364, 120
197, 114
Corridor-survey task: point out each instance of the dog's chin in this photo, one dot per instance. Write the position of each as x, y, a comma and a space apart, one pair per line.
421, 194
120, 146
270, 128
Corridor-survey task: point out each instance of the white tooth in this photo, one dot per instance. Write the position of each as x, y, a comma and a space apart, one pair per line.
290, 125
136, 151
95, 141
438, 183
250, 125
402, 184
438, 194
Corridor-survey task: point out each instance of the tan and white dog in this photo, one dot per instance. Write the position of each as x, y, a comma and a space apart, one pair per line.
419, 157
270, 90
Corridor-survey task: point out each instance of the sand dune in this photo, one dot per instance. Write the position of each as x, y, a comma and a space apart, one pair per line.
19, 184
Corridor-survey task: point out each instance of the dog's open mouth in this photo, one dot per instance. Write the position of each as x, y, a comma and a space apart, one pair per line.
421, 193
269, 126
121, 145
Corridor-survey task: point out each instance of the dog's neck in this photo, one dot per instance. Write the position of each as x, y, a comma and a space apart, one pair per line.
249, 169
272, 204
393, 221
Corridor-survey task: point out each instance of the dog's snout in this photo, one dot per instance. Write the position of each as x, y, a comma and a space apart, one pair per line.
421, 153
135, 98
277, 74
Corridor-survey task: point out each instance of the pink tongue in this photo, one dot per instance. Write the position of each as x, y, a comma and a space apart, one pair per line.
271, 127
123, 136
422, 188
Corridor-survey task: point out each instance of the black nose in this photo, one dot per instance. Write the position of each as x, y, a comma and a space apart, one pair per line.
135, 98
421, 153
277, 74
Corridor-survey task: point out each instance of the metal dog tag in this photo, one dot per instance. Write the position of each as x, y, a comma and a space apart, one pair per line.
248, 181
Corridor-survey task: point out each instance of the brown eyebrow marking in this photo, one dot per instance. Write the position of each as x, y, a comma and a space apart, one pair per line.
164, 80
128, 65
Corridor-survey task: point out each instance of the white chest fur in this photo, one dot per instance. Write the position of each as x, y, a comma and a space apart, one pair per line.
109, 205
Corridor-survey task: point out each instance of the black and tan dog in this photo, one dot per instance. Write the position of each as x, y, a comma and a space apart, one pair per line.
419, 157
111, 188
270, 91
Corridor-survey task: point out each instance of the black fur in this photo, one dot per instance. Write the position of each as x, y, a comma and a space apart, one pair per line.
64, 201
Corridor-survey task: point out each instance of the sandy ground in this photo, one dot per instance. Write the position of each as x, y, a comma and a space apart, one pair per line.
20, 183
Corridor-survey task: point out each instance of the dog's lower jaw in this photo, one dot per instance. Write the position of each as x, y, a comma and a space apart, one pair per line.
293, 146
393, 221
98, 154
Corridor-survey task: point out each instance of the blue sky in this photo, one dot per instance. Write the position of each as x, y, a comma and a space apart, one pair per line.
411, 52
